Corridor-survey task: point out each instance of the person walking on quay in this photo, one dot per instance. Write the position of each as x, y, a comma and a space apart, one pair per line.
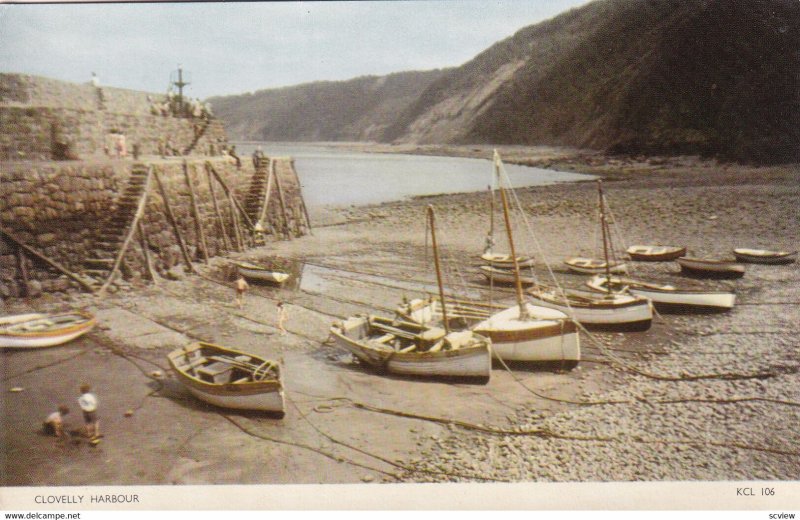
88, 403
241, 288
281, 318
54, 424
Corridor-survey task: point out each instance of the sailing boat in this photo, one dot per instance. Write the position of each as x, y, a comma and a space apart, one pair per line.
527, 332
584, 265
610, 311
408, 348
500, 266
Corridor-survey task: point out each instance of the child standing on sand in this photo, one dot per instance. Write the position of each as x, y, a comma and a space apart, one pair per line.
281, 318
88, 403
241, 288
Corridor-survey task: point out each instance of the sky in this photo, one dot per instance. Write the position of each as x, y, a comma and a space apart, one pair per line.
233, 48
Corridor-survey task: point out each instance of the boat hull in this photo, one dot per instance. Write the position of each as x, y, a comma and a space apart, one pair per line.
552, 337
42, 339
505, 261
262, 275
655, 253
673, 299
471, 362
263, 396
710, 268
636, 315
754, 256
504, 276
589, 266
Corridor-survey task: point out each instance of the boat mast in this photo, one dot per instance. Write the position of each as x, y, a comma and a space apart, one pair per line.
603, 226
438, 270
490, 238
523, 310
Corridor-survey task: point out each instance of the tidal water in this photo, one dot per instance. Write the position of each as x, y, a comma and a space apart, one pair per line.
334, 177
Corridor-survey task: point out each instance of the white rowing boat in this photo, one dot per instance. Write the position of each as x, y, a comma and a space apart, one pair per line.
610, 311
505, 276
261, 274
764, 256
229, 378
668, 297
503, 261
405, 348
43, 330
594, 266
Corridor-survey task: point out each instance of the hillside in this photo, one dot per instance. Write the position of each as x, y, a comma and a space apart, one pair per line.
714, 77
356, 110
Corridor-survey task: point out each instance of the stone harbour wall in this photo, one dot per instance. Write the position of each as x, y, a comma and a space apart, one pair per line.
36, 113
62, 208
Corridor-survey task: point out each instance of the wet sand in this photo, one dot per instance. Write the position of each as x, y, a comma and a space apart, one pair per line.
730, 379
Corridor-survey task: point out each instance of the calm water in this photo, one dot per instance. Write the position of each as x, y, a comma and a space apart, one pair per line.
332, 176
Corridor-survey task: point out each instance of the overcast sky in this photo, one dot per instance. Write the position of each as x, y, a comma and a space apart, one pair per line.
232, 48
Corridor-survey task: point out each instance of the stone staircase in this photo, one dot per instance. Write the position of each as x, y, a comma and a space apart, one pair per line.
254, 199
117, 226
197, 136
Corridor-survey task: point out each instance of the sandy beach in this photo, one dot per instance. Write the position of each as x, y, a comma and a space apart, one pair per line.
696, 397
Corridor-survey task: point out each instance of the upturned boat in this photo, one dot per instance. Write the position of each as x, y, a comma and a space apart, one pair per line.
43, 330
764, 256
644, 253
667, 297
709, 268
229, 378
259, 273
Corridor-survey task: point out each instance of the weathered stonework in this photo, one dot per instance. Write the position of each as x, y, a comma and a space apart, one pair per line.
37, 113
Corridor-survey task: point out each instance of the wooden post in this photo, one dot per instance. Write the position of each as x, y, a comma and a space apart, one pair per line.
49, 261
302, 200
286, 232
235, 220
129, 235
198, 222
22, 269
174, 223
220, 220
228, 191
270, 176
148, 262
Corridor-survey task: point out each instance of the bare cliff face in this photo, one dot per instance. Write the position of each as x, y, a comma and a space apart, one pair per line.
711, 77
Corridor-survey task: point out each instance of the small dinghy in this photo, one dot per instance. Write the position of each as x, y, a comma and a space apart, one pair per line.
505, 261
229, 378
405, 348
764, 256
505, 276
43, 330
259, 273
594, 266
708, 268
642, 253
667, 297
610, 311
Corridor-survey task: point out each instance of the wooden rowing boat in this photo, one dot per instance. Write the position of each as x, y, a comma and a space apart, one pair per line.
229, 378
609, 311
708, 268
764, 256
406, 348
668, 297
643, 253
259, 273
505, 276
594, 266
43, 330
502, 261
